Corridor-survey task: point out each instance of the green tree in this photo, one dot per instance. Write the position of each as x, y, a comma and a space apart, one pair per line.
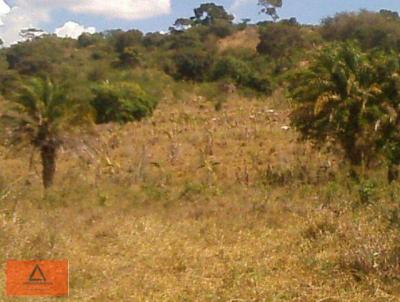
389, 14
154, 40
127, 39
182, 24
270, 7
87, 39
209, 13
191, 64
371, 30
240, 72
221, 29
339, 98
130, 56
40, 114
184, 40
282, 39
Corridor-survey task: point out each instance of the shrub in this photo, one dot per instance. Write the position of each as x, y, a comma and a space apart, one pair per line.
192, 64
230, 67
122, 102
241, 73
130, 56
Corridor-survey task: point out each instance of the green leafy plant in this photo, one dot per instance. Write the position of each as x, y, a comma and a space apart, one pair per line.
283, 39
192, 64
367, 192
371, 30
130, 56
349, 97
270, 7
231, 68
122, 102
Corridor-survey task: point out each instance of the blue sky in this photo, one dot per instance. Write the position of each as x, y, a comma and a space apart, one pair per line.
306, 11
151, 15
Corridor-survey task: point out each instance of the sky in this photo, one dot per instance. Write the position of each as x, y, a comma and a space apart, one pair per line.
70, 18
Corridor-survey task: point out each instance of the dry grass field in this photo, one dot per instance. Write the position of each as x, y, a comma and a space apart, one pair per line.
198, 205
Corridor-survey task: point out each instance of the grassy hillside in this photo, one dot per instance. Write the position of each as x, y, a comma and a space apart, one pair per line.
192, 173
199, 205
245, 39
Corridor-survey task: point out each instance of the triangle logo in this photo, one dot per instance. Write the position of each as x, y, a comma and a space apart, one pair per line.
37, 275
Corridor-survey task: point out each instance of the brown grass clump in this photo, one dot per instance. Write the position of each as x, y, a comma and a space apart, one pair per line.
199, 205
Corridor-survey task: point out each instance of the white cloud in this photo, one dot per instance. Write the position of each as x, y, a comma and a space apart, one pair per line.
73, 30
122, 9
4, 9
20, 17
34, 13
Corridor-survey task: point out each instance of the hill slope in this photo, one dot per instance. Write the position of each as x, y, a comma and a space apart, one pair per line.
248, 38
198, 205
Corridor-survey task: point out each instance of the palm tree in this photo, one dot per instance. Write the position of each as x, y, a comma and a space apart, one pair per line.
41, 114
340, 97
389, 123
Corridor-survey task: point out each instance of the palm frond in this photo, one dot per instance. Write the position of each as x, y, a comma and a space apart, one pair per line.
42, 110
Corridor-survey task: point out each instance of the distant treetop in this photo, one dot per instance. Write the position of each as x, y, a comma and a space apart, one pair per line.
270, 7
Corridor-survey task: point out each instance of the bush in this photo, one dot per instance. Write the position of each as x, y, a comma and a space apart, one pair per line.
230, 67
122, 102
241, 73
130, 56
191, 64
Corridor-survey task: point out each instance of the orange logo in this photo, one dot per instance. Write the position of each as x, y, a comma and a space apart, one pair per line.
37, 278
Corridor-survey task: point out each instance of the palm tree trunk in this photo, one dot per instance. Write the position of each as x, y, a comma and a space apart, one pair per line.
49, 155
